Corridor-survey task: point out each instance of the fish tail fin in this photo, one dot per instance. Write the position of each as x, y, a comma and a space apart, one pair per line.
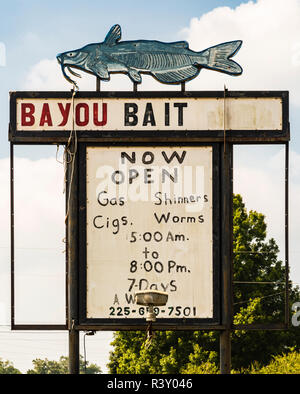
219, 58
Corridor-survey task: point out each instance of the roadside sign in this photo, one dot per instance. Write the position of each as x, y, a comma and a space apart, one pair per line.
152, 180
204, 116
150, 225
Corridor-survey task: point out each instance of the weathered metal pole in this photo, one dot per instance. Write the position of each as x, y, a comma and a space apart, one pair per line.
98, 84
72, 251
287, 269
226, 252
225, 352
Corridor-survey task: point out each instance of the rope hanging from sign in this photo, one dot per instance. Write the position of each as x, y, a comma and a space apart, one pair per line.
69, 155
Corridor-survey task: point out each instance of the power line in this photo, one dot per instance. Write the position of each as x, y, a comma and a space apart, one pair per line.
258, 282
271, 295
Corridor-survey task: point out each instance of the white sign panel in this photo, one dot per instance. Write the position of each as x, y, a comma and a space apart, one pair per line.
126, 114
149, 226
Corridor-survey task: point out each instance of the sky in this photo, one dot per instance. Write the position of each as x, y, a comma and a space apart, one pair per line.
32, 33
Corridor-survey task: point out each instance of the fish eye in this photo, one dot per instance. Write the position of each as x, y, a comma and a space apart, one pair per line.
71, 54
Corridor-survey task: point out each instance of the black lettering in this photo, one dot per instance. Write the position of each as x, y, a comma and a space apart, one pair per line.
94, 221
130, 113
147, 175
169, 237
200, 219
164, 287
151, 157
126, 155
149, 115
132, 175
162, 217
190, 219
182, 200
114, 177
129, 298
174, 154
180, 107
116, 226
141, 282
156, 195
167, 114
124, 220
103, 202
173, 285
174, 178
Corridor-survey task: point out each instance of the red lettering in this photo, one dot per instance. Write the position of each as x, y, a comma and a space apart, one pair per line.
46, 116
65, 113
104, 115
27, 111
85, 120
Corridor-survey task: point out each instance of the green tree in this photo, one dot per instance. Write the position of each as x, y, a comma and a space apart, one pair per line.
255, 260
6, 367
280, 364
61, 367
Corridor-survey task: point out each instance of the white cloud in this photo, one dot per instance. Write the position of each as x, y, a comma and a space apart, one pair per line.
270, 54
261, 182
270, 30
47, 75
270, 57
39, 231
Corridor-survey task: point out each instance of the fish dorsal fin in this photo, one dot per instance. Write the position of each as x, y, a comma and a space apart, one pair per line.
180, 44
113, 36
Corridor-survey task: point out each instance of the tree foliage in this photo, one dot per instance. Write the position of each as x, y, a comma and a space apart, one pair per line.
255, 260
61, 367
7, 368
281, 364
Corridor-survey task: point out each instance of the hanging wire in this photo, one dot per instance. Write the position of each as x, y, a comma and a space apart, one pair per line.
253, 252
84, 347
69, 154
271, 295
259, 282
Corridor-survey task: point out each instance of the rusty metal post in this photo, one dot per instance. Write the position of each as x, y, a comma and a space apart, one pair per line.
98, 84
225, 352
287, 268
12, 238
226, 253
72, 251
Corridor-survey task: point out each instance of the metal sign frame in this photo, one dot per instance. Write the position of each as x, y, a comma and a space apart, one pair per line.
224, 140
138, 323
235, 136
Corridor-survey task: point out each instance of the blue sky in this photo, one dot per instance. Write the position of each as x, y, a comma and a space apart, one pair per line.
35, 31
